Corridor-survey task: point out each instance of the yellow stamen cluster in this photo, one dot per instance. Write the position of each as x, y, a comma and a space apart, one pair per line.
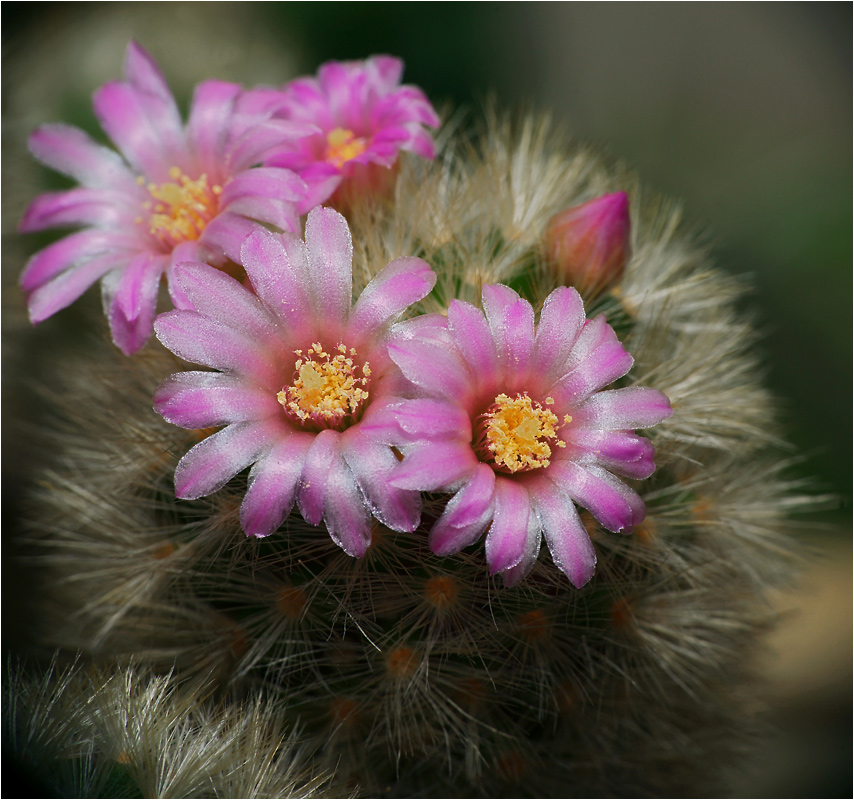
180, 209
519, 433
327, 390
343, 145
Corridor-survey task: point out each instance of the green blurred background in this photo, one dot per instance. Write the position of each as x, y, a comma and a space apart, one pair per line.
743, 111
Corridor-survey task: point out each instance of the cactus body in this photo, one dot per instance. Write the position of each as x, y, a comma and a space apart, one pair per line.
411, 674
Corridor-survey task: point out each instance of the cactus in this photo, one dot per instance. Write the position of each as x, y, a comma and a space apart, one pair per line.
408, 673
124, 732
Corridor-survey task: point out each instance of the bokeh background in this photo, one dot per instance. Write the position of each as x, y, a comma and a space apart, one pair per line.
742, 111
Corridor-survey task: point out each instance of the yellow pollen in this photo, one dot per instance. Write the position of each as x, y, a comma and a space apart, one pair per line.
518, 433
327, 391
342, 145
181, 208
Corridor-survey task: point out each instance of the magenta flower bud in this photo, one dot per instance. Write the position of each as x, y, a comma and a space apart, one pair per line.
589, 244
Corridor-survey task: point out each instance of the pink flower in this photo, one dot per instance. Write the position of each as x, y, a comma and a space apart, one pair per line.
589, 245
365, 118
300, 372
174, 194
513, 421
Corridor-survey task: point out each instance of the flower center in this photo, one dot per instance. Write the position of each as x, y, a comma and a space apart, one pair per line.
517, 434
342, 145
327, 391
180, 209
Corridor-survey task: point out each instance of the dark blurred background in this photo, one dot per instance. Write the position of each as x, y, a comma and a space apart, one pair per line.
743, 111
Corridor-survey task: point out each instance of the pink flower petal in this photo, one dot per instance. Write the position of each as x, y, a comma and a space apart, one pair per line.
422, 143
259, 103
438, 370
607, 363
210, 113
315, 475
631, 497
473, 337
186, 251
208, 399
226, 232
134, 304
134, 288
330, 259
411, 420
346, 515
387, 142
565, 534
511, 320
560, 324
281, 214
467, 513
218, 458
273, 485
435, 466
399, 284
64, 289
124, 117
143, 73
624, 409
261, 140
594, 333
322, 183
72, 152
201, 340
222, 298
265, 194
342, 87
263, 182
617, 451
432, 328
73, 251
277, 267
96, 207
387, 70
408, 106
371, 465
156, 100
617, 507
513, 575
304, 100
507, 538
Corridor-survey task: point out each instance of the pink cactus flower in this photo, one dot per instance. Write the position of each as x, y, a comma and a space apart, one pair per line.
512, 419
589, 245
172, 194
365, 118
299, 373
